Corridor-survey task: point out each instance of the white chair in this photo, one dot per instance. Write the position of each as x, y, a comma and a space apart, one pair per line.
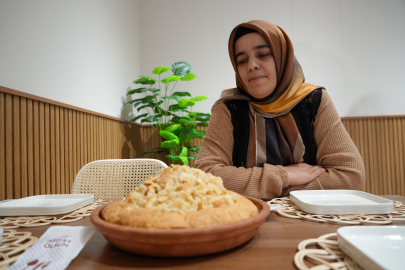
114, 178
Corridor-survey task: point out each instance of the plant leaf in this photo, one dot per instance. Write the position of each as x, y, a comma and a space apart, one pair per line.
137, 104
190, 76
144, 100
200, 134
177, 108
176, 119
158, 109
169, 144
167, 135
181, 68
202, 117
171, 78
172, 157
187, 134
184, 160
174, 128
153, 152
183, 102
137, 91
145, 80
187, 122
202, 124
142, 90
184, 152
132, 101
139, 116
152, 118
160, 70
198, 98
193, 149
182, 94
173, 97
144, 106
192, 157
154, 90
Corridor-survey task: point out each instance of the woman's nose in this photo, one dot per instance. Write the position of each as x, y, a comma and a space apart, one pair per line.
253, 65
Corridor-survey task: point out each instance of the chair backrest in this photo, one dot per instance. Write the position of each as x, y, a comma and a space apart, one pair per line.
114, 178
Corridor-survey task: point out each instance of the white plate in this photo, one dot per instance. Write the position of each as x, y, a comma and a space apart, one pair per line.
374, 247
45, 205
340, 202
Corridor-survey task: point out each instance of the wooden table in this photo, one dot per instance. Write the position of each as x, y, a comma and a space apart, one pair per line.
273, 247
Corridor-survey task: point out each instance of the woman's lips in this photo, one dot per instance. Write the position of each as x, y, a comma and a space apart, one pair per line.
256, 78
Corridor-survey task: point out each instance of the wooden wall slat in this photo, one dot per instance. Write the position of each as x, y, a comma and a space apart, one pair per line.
381, 156
47, 150
62, 150
371, 156
17, 147
53, 147
77, 146
24, 149
71, 163
2, 146
396, 158
57, 151
101, 147
401, 148
67, 159
42, 148
391, 153
388, 157
89, 136
81, 145
45, 145
96, 138
30, 146
9, 146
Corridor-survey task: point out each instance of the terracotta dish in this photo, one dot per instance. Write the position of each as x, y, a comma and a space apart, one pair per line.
181, 242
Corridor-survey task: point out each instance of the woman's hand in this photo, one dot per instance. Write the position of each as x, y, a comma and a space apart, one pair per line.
303, 173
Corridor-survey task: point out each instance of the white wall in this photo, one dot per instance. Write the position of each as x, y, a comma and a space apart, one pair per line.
353, 48
87, 52
84, 53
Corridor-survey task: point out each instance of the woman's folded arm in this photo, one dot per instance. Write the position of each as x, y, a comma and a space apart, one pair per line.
215, 157
336, 153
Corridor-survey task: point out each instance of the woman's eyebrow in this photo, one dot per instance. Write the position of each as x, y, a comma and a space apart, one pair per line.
261, 46
255, 48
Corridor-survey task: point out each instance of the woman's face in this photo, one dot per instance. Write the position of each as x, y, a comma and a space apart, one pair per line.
256, 65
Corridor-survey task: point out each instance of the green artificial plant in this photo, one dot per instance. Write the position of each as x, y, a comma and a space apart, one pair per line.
170, 113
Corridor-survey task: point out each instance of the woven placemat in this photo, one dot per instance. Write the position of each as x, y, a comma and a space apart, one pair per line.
13, 245
324, 254
36, 221
290, 210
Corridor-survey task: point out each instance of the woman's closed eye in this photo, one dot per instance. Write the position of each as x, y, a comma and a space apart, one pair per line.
241, 61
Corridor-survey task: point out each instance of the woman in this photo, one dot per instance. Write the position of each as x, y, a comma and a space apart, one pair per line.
274, 133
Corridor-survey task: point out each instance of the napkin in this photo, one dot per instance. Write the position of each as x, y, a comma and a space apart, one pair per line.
274, 207
56, 248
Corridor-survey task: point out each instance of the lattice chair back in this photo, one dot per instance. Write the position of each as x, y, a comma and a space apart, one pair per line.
114, 178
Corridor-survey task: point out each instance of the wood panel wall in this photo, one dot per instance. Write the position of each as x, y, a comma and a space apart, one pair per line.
381, 143
44, 143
